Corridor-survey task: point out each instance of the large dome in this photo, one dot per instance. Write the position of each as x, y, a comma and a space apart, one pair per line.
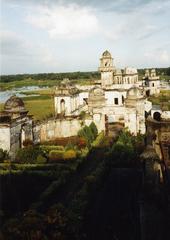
14, 104
134, 93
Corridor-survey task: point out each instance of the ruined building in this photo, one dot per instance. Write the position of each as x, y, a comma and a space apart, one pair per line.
118, 96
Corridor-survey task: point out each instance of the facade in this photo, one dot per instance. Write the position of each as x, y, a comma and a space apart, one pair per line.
117, 97
151, 82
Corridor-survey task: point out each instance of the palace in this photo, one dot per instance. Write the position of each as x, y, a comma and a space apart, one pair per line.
118, 97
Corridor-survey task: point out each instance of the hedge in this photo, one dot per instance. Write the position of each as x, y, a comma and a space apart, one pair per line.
56, 155
69, 154
48, 148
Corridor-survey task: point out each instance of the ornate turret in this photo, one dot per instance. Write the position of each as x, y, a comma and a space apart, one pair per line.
15, 107
106, 68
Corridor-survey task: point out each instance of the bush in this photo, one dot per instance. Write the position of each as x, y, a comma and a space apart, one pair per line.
93, 129
69, 146
28, 154
82, 142
86, 133
69, 154
49, 148
3, 154
40, 159
56, 155
98, 140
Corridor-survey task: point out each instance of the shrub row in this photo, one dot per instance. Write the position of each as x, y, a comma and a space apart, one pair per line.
56, 155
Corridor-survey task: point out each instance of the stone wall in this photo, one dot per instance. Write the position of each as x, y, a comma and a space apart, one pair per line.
5, 137
58, 128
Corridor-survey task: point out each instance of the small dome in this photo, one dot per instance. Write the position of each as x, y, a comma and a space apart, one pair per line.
106, 54
153, 71
118, 71
130, 70
14, 104
134, 93
66, 82
96, 92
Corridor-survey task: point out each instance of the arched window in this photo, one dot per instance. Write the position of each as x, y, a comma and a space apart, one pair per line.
62, 106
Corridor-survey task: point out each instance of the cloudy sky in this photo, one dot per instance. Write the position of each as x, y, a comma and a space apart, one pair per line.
70, 35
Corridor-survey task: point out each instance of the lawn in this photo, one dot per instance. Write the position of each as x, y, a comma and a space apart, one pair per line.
163, 99
41, 106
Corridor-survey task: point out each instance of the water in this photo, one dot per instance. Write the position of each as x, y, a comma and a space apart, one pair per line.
4, 95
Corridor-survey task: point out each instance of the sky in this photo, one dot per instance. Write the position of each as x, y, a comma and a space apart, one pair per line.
70, 35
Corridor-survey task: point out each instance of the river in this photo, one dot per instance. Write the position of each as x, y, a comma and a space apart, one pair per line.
4, 95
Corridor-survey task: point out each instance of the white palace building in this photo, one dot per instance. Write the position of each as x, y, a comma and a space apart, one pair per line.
118, 96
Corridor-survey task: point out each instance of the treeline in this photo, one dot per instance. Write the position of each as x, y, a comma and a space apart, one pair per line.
50, 76
160, 71
70, 75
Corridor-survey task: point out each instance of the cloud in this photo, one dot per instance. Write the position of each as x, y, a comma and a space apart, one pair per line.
107, 5
71, 21
17, 52
12, 44
159, 57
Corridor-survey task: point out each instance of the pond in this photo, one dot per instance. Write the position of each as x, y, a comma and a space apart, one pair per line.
4, 95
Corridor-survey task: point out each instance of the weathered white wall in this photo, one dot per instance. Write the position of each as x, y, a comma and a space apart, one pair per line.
83, 95
111, 95
5, 138
57, 128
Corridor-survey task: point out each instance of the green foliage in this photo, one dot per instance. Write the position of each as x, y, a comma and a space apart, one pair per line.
56, 155
69, 154
98, 141
123, 155
69, 146
3, 154
28, 154
41, 160
126, 150
82, 115
93, 129
82, 142
48, 148
87, 133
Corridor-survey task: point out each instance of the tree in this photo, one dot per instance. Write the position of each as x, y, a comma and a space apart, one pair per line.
93, 129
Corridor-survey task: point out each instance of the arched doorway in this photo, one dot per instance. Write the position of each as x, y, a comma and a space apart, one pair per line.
148, 93
62, 106
157, 116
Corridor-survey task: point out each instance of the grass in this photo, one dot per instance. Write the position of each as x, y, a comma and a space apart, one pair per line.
163, 99
47, 91
41, 83
28, 82
40, 108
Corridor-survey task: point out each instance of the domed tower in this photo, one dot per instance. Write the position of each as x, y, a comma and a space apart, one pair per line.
152, 83
135, 111
146, 73
106, 68
15, 107
153, 73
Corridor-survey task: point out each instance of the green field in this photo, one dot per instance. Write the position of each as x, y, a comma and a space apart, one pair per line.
163, 99
41, 106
